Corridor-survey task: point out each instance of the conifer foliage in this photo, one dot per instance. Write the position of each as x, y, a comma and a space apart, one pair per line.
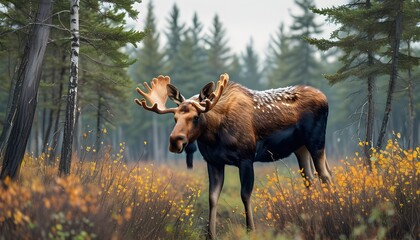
102, 35
369, 36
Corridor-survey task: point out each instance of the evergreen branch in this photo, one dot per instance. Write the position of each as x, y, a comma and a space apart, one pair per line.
59, 19
30, 24
101, 63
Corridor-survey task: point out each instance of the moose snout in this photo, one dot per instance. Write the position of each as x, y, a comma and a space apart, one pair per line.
177, 143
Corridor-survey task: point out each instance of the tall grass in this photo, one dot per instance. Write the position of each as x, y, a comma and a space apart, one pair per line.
107, 198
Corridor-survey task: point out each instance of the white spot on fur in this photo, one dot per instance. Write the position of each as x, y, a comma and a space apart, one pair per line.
268, 99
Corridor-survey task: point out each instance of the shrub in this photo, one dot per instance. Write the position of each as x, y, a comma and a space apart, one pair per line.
105, 199
361, 204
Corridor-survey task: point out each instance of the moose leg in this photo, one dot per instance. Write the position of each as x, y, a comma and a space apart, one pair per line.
216, 179
305, 164
321, 165
246, 174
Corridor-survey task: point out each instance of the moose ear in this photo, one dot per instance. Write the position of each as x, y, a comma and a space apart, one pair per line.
206, 91
174, 94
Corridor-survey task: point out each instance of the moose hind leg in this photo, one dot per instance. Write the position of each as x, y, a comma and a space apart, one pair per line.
216, 179
321, 165
305, 164
246, 174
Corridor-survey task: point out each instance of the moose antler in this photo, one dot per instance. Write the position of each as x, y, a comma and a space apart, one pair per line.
157, 95
208, 103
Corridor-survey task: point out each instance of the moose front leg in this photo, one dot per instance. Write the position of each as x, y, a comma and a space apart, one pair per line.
216, 179
246, 174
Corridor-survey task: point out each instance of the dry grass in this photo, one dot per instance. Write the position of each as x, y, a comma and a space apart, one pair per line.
109, 199
100, 200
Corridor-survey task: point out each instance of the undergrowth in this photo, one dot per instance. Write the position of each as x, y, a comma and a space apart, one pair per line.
109, 198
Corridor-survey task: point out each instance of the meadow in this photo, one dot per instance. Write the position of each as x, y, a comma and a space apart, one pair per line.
108, 197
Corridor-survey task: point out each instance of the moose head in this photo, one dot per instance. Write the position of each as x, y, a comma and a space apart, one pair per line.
187, 114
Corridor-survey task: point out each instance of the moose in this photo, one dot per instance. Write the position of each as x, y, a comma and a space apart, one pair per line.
233, 125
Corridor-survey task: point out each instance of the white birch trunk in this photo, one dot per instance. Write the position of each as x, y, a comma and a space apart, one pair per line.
66, 152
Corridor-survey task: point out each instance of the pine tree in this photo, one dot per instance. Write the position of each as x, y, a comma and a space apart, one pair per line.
192, 60
197, 39
277, 63
410, 35
188, 72
218, 50
359, 45
303, 66
150, 63
363, 38
235, 69
174, 36
251, 76
395, 12
199, 52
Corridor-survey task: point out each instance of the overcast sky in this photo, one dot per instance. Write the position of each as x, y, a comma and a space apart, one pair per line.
242, 19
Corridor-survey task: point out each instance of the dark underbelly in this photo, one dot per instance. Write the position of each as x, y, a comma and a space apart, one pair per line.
278, 145
219, 154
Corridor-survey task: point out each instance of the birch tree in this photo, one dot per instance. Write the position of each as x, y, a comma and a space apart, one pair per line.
66, 151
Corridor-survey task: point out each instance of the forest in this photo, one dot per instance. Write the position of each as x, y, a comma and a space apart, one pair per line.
68, 74
117, 59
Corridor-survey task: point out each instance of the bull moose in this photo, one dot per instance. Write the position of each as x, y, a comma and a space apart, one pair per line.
234, 125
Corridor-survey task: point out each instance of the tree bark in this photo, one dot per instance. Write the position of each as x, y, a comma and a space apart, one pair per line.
29, 74
66, 150
394, 74
15, 90
49, 122
98, 124
58, 102
410, 129
155, 139
48, 130
370, 118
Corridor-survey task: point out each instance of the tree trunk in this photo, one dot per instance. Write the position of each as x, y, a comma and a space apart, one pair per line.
370, 118
44, 119
155, 139
77, 132
410, 128
15, 90
29, 74
48, 131
66, 150
56, 134
35, 135
48, 127
98, 124
394, 74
